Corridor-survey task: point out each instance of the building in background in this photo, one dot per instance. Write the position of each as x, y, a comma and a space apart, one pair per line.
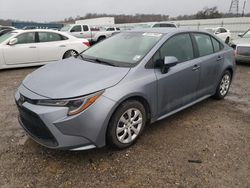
35, 25
104, 21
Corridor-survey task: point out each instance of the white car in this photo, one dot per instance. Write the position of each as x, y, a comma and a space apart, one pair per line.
221, 32
22, 48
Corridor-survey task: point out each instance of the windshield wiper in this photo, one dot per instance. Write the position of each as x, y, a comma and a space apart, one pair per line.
97, 60
104, 62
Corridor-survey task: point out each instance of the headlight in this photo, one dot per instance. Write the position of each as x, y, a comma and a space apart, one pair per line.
75, 106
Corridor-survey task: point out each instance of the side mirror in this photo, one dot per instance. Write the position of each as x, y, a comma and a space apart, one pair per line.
217, 32
240, 35
13, 41
169, 61
72, 31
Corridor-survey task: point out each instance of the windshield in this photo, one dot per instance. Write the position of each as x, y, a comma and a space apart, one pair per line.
124, 49
247, 34
5, 37
66, 28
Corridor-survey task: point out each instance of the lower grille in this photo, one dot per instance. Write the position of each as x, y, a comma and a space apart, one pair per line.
243, 50
32, 123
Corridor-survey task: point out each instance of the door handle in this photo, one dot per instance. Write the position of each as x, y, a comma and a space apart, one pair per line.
32, 47
219, 58
196, 67
62, 46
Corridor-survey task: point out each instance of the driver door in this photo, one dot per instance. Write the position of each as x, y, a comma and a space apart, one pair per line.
24, 51
178, 87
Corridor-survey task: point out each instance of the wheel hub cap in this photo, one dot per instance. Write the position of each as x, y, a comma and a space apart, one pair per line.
224, 86
129, 125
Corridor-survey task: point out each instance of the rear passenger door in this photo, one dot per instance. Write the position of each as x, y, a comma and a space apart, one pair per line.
210, 59
178, 87
51, 46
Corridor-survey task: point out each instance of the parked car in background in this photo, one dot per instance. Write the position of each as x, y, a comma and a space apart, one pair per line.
6, 27
109, 93
21, 48
2, 32
221, 32
165, 24
85, 31
242, 47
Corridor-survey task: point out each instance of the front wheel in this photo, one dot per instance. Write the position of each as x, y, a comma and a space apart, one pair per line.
227, 40
70, 53
224, 85
126, 124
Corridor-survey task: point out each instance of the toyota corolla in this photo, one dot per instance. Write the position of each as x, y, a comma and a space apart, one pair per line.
110, 92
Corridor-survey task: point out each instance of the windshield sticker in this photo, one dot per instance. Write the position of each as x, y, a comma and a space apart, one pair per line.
137, 58
152, 34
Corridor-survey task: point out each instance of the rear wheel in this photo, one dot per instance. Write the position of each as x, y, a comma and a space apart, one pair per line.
70, 53
224, 85
126, 124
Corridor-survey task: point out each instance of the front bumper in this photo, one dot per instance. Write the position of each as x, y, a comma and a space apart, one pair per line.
241, 58
51, 127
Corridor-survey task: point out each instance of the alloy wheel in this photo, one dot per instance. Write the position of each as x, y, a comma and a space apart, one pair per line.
129, 125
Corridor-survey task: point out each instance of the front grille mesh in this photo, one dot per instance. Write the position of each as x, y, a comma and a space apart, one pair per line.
32, 123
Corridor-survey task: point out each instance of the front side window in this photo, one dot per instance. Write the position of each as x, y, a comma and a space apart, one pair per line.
179, 46
111, 29
85, 28
50, 37
216, 45
26, 38
204, 44
5, 36
76, 28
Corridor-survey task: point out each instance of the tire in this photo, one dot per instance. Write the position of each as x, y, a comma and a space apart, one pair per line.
70, 53
227, 40
224, 85
123, 131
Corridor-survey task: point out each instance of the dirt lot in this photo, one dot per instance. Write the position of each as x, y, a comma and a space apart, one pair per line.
216, 133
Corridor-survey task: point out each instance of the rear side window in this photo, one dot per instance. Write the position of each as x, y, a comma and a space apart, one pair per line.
179, 46
26, 38
50, 37
76, 28
216, 44
204, 43
85, 28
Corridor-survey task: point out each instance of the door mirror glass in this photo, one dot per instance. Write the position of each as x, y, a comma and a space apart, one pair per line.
169, 61
13, 41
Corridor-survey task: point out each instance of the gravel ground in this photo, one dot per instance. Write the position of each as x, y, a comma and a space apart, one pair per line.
215, 134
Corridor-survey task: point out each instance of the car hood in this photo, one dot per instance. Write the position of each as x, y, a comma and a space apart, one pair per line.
73, 78
242, 41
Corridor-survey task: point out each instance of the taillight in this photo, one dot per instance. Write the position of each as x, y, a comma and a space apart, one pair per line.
235, 53
86, 43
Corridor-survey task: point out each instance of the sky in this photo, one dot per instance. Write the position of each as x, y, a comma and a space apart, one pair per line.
54, 10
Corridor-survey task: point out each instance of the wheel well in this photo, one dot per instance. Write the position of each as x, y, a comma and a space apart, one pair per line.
144, 103
230, 70
102, 36
68, 51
